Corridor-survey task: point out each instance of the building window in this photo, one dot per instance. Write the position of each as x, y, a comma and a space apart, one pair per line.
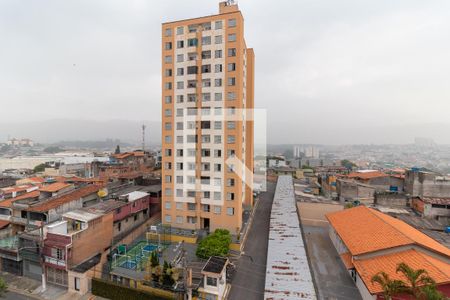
217, 125
206, 40
191, 206
218, 110
217, 139
231, 67
217, 167
136, 217
192, 70
206, 82
230, 211
168, 32
217, 153
231, 124
180, 30
231, 81
217, 195
168, 178
231, 96
180, 85
211, 281
206, 68
168, 152
168, 99
206, 97
168, 192
232, 37
231, 139
180, 58
218, 96
179, 152
167, 205
206, 54
180, 98
168, 45
168, 166
231, 51
218, 68
192, 42
218, 82
192, 220
231, 22
230, 182
168, 72
168, 85
179, 180
230, 196
179, 220
179, 193
77, 283
168, 112
179, 112
179, 205
180, 125
168, 59
180, 71
218, 53
218, 39
168, 139
168, 218
218, 25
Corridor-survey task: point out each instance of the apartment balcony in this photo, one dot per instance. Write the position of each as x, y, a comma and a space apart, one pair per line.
24, 221
55, 261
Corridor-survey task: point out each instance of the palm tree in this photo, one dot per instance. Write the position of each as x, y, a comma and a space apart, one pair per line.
390, 287
429, 292
416, 279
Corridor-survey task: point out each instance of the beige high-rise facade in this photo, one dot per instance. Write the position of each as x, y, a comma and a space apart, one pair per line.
207, 125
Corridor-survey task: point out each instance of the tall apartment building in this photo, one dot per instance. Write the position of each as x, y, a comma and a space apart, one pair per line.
207, 132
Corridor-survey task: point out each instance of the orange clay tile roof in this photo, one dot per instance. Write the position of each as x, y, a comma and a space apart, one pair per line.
4, 223
54, 187
347, 260
16, 188
66, 198
36, 179
366, 175
8, 202
367, 268
123, 155
366, 230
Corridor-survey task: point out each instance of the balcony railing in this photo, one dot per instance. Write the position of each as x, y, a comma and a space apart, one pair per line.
55, 261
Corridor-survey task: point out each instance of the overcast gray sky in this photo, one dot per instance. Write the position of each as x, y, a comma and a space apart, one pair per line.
322, 67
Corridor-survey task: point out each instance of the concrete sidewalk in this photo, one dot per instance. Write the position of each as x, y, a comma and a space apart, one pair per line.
33, 289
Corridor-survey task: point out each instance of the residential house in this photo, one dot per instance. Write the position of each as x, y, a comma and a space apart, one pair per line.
74, 246
370, 242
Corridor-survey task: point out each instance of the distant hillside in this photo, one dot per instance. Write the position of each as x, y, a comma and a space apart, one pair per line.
53, 131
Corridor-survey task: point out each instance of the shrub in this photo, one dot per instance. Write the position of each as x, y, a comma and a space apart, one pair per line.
216, 244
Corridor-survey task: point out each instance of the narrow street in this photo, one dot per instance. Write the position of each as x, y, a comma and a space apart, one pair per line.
249, 281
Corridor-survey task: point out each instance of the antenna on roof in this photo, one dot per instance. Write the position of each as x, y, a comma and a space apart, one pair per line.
143, 137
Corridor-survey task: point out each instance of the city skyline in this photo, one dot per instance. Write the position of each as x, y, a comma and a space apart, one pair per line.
350, 64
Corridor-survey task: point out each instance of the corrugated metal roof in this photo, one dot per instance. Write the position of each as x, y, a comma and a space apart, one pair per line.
287, 275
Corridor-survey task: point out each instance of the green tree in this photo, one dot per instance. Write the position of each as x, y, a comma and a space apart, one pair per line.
53, 149
430, 292
3, 287
39, 168
347, 164
216, 244
416, 279
390, 287
154, 259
